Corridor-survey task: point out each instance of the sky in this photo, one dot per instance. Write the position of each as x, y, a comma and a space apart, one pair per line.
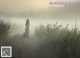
38, 9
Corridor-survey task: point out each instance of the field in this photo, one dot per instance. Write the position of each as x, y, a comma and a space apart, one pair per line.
50, 41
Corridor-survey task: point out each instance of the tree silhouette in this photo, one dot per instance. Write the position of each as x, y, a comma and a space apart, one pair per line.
4, 28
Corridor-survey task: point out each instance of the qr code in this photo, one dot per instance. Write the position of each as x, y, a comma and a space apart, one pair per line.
6, 51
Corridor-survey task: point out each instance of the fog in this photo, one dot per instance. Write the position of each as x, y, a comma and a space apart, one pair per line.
19, 24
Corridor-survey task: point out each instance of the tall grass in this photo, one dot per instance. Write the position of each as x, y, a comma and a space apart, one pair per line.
51, 41
19, 49
57, 42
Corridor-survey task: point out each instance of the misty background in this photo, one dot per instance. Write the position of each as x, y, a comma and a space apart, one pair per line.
46, 42
39, 12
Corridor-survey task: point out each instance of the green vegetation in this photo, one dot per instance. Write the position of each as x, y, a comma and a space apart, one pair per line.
52, 41
4, 30
58, 42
